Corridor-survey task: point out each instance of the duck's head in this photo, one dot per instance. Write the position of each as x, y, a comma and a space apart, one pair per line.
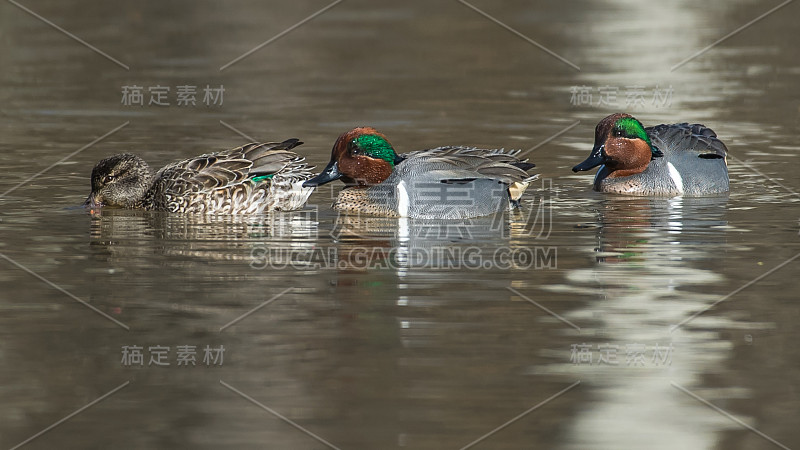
622, 145
120, 181
361, 156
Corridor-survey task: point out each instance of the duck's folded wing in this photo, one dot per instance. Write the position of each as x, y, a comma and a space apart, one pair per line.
685, 137
509, 157
497, 154
283, 164
449, 167
230, 167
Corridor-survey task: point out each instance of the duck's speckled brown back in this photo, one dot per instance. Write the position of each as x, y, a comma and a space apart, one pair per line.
222, 183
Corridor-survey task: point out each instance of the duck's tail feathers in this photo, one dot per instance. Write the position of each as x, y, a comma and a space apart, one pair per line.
289, 144
516, 189
524, 165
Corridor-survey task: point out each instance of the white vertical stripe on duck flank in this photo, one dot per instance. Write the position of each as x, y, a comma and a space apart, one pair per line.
402, 199
676, 177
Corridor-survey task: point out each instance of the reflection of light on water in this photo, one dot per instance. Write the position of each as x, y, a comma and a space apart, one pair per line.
402, 229
403, 234
402, 260
675, 223
212, 237
642, 283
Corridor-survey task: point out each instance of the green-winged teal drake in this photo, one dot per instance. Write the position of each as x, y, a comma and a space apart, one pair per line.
439, 183
665, 160
251, 179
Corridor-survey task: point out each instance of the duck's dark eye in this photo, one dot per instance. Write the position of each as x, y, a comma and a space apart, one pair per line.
352, 146
108, 179
618, 133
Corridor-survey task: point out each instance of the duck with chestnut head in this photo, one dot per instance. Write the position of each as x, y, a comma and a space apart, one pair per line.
665, 160
451, 182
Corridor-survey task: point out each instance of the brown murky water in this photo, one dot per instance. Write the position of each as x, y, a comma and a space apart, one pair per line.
553, 327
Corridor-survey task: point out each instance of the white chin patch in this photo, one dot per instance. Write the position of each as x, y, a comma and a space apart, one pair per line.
676, 177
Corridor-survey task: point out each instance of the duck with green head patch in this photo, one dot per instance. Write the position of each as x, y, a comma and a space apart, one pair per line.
664, 160
440, 183
251, 179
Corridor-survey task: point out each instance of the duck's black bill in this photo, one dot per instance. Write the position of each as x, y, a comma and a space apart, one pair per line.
330, 173
91, 202
594, 160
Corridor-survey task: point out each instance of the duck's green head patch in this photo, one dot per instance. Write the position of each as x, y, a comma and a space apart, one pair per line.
374, 146
630, 128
